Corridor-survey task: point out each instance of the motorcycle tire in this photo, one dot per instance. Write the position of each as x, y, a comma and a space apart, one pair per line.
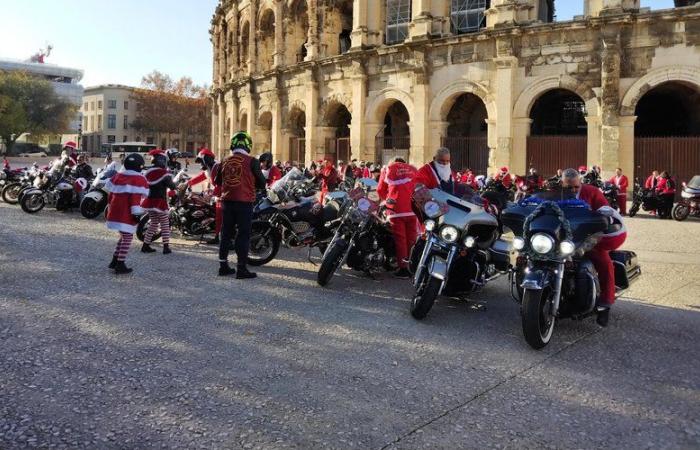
680, 211
331, 262
32, 203
141, 228
537, 328
91, 208
10, 193
423, 302
633, 210
263, 237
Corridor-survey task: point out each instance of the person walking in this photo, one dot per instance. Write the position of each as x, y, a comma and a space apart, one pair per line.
159, 181
238, 177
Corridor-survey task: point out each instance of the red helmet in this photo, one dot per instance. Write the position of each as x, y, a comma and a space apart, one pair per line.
583, 169
71, 145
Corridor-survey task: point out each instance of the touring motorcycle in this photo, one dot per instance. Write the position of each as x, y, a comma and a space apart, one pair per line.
645, 199
460, 251
12, 189
95, 201
363, 239
55, 188
289, 216
552, 278
689, 205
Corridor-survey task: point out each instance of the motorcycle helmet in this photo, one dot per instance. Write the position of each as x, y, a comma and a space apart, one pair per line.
134, 162
241, 140
158, 158
266, 160
206, 158
172, 154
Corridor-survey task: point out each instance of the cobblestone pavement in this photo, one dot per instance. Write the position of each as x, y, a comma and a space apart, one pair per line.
173, 356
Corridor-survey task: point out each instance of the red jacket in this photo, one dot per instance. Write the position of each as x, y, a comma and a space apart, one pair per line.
237, 181
649, 183
621, 182
666, 186
329, 180
274, 175
126, 189
470, 180
507, 180
593, 196
397, 184
158, 182
427, 176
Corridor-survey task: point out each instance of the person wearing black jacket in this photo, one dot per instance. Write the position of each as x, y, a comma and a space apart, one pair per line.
83, 169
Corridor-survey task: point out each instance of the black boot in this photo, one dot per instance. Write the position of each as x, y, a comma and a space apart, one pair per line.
245, 274
225, 269
121, 269
166, 249
402, 273
214, 240
603, 316
113, 264
147, 248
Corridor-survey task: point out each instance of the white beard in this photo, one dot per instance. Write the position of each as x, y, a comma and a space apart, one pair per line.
266, 173
443, 171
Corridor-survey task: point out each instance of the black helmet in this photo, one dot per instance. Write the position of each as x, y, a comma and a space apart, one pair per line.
160, 160
266, 158
134, 161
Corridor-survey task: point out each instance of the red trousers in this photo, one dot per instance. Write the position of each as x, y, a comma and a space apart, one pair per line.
219, 217
600, 257
622, 203
405, 233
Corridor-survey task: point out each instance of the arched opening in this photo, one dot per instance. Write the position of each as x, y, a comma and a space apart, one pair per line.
262, 140
667, 131
395, 139
243, 49
467, 134
338, 28
558, 133
297, 32
297, 140
397, 17
338, 119
266, 45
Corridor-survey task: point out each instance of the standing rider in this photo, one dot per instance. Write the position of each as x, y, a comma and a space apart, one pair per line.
210, 168
438, 173
239, 177
622, 184
611, 240
271, 171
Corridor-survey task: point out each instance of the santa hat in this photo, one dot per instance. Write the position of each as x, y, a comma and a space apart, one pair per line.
71, 145
504, 169
205, 152
155, 152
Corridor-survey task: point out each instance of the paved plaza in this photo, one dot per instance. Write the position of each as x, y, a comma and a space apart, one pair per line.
175, 357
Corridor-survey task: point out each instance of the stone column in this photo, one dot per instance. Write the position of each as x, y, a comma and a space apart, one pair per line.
214, 121
503, 152
521, 131
359, 25
593, 155
626, 154
438, 130
221, 124
277, 149
595, 8
252, 40
279, 34
235, 108
609, 101
359, 104
372, 130
420, 133
234, 29
508, 13
312, 120
422, 20
312, 41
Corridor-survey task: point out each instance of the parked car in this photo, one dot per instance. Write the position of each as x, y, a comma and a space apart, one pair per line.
33, 155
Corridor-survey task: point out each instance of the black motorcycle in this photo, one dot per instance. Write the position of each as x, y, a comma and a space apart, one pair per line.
363, 239
610, 191
288, 216
645, 199
460, 251
12, 189
553, 278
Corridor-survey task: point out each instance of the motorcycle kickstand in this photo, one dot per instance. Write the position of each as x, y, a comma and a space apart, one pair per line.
308, 257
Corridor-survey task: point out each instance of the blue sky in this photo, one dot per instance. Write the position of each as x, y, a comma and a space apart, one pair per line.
120, 41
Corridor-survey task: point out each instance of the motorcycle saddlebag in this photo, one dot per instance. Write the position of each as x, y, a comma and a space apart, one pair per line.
626, 268
500, 253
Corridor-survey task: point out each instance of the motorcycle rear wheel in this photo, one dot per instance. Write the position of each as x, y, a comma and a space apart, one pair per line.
680, 211
142, 227
264, 244
33, 203
633, 210
423, 302
332, 259
10, 193
538, 325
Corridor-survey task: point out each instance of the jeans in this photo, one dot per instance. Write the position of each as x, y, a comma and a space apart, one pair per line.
236, 216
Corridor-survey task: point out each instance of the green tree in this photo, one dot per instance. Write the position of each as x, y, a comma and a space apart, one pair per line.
30, 105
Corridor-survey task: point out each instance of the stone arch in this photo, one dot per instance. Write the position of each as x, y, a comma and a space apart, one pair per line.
379, 105
654, 78
542, 85
446, 98
330, 105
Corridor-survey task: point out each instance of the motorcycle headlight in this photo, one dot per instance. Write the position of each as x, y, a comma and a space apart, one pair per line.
542, 243
567, 248
469, 241
429, 225
449, 234
518, 243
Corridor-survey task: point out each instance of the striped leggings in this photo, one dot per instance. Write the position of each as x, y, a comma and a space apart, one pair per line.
123, 245
161, 219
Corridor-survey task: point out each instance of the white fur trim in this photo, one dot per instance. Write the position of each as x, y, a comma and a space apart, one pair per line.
137, 210
119, 226
125, 188
129, 172
241, 151
397, 182
398, 215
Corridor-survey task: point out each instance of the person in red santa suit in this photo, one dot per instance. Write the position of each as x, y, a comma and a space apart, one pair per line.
438, 173
210, 167
126, 189
69, 149
611, 240
156, 203
271, 172
328, 177
396, 186
504, 177
622, 184
469, 178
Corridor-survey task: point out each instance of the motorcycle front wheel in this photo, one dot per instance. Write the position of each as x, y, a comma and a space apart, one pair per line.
538, 323
680, 211
633, 210
10, 193
332, 259
264, 244
91, 208
32, 203
425, 299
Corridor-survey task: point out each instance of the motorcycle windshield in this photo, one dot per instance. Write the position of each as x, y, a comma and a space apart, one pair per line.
694, 182
462, 214
293, 175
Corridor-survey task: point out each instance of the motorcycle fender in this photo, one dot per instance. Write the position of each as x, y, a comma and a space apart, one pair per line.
95, 195
536, 279
438, 268
32, 191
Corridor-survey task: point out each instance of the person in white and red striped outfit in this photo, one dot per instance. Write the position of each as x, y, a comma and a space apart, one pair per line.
126, 189
159, 181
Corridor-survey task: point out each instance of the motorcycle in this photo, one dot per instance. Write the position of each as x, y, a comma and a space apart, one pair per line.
55, 188
497, 194
288, 216
95, 201
11, 191
552, 278
689, 205
460, 251
646, 199
363, 239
